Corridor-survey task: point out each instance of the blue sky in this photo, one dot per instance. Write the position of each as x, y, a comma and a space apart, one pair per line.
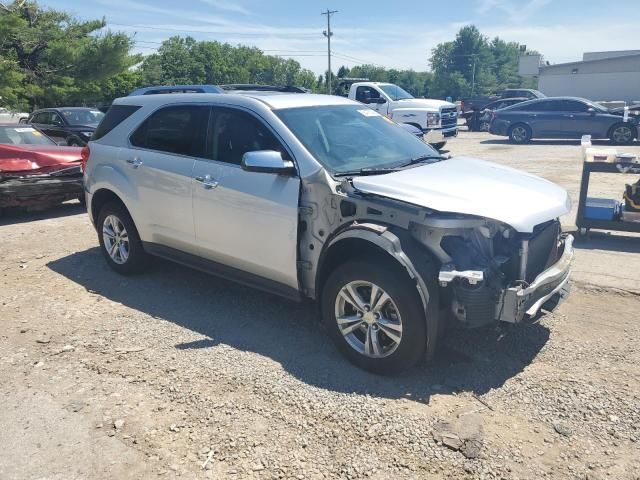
385, 32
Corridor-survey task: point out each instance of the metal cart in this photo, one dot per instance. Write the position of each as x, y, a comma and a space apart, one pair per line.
620, 168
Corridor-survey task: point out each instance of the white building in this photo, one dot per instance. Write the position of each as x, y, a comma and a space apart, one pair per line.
600, 76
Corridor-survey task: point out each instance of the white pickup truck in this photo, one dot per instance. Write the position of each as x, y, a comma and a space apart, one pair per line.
437, 119
7, 116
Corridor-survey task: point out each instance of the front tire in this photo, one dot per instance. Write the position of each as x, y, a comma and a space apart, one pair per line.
519, 134
375, 316
622, 134
119, 240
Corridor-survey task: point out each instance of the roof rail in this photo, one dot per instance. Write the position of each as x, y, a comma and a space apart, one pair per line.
253, 87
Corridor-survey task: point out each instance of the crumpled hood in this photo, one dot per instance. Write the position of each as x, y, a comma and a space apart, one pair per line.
37, 158
423, 103
474, 187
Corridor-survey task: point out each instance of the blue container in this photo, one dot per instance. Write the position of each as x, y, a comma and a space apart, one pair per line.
601, 209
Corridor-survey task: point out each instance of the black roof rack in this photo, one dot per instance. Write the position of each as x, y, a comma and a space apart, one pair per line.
251, 87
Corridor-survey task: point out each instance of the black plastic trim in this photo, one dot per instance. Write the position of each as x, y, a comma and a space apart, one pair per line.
223, 271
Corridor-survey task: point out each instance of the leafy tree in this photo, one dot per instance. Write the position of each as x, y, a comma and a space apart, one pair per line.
49, 57
184, 60
471, 64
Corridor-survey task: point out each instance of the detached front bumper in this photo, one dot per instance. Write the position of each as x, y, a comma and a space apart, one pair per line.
516, 302
439, 135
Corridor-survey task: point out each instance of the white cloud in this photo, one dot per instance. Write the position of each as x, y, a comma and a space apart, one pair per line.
228, 5
516, 10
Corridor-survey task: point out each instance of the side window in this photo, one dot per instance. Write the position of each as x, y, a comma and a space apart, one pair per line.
114, 117
42, 117
234, 132
573, 106
55, 119
540, 107
180, 129
364, 94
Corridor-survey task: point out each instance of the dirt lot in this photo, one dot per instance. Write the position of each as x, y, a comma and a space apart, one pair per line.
175, 373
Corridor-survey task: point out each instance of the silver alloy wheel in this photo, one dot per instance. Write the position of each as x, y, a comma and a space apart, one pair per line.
116, 239
519, 134
368, 319
622, 134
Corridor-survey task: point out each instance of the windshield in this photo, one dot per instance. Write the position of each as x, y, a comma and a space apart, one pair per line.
82, 117
395, 92
346, 138
23, 136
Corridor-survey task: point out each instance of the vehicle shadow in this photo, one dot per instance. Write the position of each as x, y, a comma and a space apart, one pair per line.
608, 241
290, 333
14, 215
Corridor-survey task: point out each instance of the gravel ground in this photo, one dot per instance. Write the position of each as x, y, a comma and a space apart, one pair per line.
177, 374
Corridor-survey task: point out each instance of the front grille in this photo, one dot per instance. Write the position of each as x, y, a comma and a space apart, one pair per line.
543, 248
449, 117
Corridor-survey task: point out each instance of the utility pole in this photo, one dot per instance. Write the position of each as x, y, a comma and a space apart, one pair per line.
328, 33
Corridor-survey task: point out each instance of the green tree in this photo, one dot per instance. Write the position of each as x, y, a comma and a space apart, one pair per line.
184, 60
471, 64
49, 57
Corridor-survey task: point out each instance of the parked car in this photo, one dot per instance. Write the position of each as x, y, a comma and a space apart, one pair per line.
34, 170
71, 126
481, 101
484, 115
8, 116
317, 196
437, 119
561, 117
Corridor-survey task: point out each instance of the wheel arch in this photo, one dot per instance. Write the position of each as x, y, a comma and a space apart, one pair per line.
100, 198
620, 123
394, 244
518, 124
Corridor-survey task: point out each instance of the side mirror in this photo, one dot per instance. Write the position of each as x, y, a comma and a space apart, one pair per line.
378, 100
267, 161
591, 110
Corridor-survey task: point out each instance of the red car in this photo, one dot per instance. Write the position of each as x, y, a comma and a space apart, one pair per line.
34, 170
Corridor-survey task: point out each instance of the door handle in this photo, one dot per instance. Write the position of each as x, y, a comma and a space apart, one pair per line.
207, 182
568, 116
134, 162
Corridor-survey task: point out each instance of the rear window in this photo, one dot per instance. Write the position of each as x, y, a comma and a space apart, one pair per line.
114, 117
177, 129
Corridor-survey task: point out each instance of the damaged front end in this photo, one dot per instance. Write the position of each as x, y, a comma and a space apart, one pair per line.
40, 188
491, 272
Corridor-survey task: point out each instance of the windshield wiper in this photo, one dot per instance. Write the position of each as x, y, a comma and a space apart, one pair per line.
367, 171
423, 158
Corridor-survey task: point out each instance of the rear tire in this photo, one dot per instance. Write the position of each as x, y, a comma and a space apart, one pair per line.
387, 332
519, 133
622, 134
119, 240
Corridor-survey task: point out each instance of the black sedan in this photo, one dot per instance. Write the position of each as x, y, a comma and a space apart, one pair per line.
71, 126
562, 117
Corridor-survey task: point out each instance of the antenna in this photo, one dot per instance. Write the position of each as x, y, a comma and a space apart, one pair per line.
328, 33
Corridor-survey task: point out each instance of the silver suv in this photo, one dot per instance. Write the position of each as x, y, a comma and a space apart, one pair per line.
320, 197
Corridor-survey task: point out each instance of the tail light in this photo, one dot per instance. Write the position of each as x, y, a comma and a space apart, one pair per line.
84, 154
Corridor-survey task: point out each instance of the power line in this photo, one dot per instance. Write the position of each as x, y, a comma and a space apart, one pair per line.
355, 59
218, 32
328, 33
